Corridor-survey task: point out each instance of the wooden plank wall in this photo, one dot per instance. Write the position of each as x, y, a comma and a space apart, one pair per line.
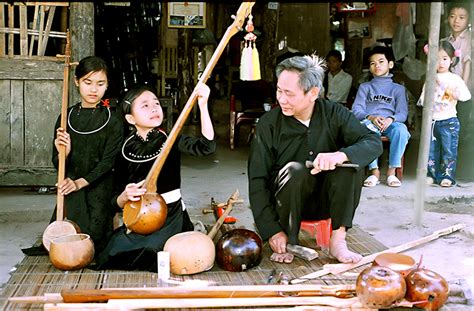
31, 86
30, 99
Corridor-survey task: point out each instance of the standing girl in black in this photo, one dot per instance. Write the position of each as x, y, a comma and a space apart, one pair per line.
92, 139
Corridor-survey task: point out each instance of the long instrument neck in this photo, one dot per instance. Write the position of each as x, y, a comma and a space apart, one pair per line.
150, 181
63, 125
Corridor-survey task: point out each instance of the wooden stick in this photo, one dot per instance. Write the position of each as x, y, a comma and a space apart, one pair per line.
127, 304
236, 302
23, 30
338, 268
35, 24
49, 22
233, 291
234, 197
63, 124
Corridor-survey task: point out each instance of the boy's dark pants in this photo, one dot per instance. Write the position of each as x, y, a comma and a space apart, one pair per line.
331, 194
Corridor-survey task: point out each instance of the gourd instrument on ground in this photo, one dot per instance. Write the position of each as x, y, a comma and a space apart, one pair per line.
200, 245
149, 213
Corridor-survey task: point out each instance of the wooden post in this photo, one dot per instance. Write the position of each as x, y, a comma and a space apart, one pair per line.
81, 25
269, 44
421, 170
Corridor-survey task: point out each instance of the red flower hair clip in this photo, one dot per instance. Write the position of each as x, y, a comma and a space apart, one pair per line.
106, 103
457, 53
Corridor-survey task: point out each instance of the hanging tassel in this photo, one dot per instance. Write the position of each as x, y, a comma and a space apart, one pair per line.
255, 64
249, 62
245, 62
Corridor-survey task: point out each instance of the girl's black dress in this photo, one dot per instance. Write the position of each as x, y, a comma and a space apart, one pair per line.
134, 251
96, 136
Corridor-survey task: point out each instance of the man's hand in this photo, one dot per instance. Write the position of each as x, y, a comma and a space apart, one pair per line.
328, 161
278, 242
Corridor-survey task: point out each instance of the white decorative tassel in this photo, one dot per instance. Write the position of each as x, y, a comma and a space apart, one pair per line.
249, 61
255, 64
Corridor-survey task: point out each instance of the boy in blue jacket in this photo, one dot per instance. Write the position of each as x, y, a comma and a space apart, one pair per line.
381, 105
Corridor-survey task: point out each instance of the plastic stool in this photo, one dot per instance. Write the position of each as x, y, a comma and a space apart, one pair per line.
320, 229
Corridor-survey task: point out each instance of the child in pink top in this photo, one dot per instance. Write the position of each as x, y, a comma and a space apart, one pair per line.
445, 125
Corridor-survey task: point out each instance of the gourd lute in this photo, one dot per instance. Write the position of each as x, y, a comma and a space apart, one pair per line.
149, 213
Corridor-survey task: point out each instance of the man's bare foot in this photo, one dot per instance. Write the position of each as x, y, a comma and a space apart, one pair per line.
283, 258
338, 247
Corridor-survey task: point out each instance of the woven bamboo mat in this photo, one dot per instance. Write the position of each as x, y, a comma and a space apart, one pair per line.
35, 275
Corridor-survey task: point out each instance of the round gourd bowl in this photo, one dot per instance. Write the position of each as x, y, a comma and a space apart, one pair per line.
72, 252
400, 263
190, 252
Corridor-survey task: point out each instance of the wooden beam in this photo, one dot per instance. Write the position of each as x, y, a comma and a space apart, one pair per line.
11, 24
27, 68
35, 24
32, 32
2, 36
23, 30
33, 3
49, 22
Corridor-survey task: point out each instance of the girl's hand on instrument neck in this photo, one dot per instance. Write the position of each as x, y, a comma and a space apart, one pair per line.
132, 192
62, 139
68, 185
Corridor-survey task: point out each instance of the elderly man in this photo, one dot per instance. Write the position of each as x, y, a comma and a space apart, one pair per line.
304, 127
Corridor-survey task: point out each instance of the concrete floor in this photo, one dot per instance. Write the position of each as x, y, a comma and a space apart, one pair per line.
386, 213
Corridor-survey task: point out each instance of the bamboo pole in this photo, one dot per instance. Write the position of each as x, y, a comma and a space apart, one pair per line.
342, 267
49, 23
23, 30
142, 304
35, 24
421, 170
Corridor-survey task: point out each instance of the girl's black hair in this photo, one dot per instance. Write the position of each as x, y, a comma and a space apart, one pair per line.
91, 64
450, 50
126, 101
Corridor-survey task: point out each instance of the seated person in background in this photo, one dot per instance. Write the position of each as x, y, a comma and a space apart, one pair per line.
381, 105
282, 190
337, 82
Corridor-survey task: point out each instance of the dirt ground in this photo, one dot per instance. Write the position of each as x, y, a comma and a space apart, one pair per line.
386, 213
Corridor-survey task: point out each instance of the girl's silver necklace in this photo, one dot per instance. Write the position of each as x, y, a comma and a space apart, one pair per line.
89, 132
143, 158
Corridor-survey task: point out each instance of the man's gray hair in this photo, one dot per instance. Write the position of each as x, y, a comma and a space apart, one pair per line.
310, 70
